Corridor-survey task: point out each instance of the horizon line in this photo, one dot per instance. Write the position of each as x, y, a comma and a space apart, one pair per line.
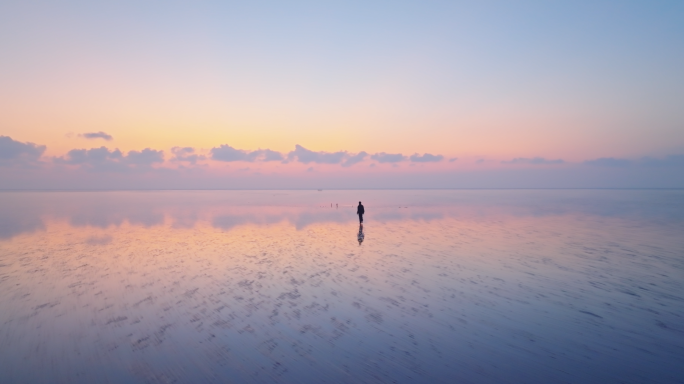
323, 190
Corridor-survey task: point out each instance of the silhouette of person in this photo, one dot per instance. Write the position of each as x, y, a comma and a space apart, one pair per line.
360, 211
360, 236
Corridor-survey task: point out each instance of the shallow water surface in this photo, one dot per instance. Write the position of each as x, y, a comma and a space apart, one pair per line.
515, 286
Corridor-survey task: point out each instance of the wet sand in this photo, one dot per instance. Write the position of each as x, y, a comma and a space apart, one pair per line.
164, 287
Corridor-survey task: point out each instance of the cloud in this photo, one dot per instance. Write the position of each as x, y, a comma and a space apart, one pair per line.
609, 162
145, 157
670, 161
16, 152
667, 161
272, 155
426, 158
351, 160
97, 135
186, 154
227, 153
95, 159
306, 156
535, 161
103, 159
93, 156
453, 159
383, 157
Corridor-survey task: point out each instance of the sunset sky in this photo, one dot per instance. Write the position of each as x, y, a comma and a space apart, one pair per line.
372, 94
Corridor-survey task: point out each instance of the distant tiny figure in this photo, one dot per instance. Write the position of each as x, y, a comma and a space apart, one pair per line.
360, 211
337, 206
360, 236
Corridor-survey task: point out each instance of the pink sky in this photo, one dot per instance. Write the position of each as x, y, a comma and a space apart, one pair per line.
564, 95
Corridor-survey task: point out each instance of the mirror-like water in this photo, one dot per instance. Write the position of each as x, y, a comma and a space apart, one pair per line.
279, 286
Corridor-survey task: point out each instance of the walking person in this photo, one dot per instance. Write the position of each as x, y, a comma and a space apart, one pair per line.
360, 211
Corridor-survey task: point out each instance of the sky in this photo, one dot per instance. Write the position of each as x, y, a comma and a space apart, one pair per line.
315, 94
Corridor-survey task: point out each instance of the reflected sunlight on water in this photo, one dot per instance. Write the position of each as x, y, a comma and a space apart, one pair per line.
273, 286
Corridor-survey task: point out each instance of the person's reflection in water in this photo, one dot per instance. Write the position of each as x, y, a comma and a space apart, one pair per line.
360, 236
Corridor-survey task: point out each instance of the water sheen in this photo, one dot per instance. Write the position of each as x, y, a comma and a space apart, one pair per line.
517, 286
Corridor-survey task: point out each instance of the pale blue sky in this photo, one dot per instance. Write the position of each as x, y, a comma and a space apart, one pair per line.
499, 80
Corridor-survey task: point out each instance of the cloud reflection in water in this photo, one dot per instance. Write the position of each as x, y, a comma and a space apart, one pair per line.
26, 212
